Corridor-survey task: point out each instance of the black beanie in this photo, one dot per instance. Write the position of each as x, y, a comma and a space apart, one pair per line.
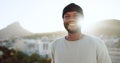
72, 7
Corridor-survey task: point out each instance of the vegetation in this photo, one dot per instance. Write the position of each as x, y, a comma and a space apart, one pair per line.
12, 56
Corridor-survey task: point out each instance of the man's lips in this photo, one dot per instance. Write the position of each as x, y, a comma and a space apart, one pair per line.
72, 26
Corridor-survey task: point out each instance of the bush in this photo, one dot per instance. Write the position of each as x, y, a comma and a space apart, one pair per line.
12, 56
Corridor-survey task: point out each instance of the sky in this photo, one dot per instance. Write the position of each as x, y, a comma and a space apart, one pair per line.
46, 15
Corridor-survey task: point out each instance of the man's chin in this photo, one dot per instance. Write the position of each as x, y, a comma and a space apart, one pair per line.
72, 31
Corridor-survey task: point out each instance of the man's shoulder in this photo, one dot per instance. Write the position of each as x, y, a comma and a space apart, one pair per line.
60, 39
92, 37
57, 41
95, 39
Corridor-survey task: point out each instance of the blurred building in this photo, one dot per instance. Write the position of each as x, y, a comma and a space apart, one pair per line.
30, 46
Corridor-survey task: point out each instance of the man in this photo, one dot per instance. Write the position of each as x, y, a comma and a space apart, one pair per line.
77, 47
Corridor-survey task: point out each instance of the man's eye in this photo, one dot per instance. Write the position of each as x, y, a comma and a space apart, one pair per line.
67, 16
76, 15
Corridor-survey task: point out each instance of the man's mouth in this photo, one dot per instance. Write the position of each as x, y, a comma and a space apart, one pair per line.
72, 26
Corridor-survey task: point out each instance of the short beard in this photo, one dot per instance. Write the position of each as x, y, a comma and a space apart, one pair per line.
70, 31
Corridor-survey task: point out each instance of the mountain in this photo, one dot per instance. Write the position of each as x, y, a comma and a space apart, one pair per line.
50, 35
13, 30
107, 27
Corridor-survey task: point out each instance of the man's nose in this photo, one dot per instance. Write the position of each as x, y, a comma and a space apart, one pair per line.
72, 20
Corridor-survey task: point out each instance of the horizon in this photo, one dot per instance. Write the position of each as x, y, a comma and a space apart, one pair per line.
114, 22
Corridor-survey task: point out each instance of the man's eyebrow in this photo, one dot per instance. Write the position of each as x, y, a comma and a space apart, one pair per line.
67, 14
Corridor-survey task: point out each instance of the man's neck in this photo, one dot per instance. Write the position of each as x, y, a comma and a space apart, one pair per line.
74, 36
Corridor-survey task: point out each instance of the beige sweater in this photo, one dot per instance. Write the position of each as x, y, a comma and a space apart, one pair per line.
89, 49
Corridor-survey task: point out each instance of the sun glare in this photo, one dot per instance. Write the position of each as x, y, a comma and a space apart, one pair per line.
87, 26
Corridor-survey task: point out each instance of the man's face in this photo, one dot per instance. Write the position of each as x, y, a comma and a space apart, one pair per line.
71, 20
